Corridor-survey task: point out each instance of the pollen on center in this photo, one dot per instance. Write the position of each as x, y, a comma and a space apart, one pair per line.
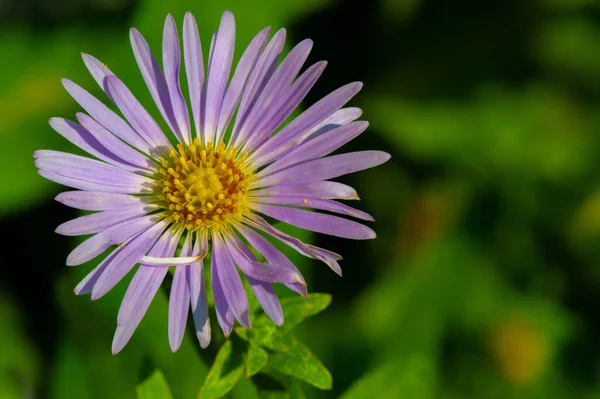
203, 187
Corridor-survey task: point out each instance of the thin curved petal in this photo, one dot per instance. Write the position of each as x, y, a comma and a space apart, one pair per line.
129, 255
179, 298
198, 293
222, 308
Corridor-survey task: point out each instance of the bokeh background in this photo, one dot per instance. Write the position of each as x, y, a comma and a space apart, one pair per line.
484, 281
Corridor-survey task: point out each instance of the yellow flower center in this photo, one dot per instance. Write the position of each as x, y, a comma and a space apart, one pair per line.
203, 187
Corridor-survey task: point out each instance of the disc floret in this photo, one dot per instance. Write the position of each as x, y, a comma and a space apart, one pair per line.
203, 187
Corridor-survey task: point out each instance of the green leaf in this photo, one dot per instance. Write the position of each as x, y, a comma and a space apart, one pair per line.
293, 386
274, 395
296, 309
154, 387
256, 359
299, 362
218, 383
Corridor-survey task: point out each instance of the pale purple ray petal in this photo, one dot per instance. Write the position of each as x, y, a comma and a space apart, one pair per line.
318, 222
194, 68
219, 67
264, 292
339, 118
90, 170
114, 235
85, 140
273, 256
106, 117
286, 104
171, 64
153, 76
141, 291
277, 87
96, 222
299, 129
325, 168
114, 144
267, 272
317, 147
311, 251
261, 73
231, 283
266, 296
179, 298
131, 254
222, 308
315, 203
238, 81
86, 285
96, 201
97, 69
198, 292
84, 185
135, 113
321, 189
147, 279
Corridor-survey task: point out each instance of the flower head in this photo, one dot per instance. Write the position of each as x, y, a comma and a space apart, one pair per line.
208, 183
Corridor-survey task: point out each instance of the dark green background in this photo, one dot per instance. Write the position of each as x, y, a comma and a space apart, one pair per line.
483, 281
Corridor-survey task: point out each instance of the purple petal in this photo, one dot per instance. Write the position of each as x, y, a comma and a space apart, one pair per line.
113, 144
96, 222
318, 222
106, 117
261, 73
131, 254
317, 148
300, 128
93, 201
194, 68
325, 168
198, 292
86, 285
147, 279
141, 291
114, 235
153, 76
264, 292
311, 251
231, 283
267, 272
273, 256
276, 88
339, 118
135, 113
219, 66
179, 299
85, 140
222, 308
92, 171
321, 189
286, 104
171, 64
315, 203
242, 71
97, 69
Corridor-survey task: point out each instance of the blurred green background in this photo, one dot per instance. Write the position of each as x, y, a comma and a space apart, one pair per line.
484, 281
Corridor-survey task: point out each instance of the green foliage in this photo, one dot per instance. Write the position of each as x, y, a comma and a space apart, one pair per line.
154, 387
256, 359
221, 379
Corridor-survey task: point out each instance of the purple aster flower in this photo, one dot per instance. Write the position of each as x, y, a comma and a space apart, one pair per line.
209, 184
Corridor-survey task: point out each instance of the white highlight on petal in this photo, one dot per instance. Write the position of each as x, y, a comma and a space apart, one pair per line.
174, 261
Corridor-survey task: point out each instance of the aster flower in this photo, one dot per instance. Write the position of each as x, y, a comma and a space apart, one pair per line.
209, 184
